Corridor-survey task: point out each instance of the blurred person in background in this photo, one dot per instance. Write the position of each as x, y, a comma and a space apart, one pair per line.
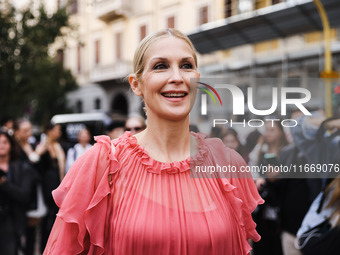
135, 124
318, 139
266, 216
116, 128
37, 208
7, 125
84, 138
294, 193
216, 132
252, 139
15, 187
194, 128
22, 134
52, 170
231, 140
320, 230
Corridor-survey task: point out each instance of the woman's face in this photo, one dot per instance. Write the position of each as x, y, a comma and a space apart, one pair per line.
165, 81
272, 133
55, 133
84, 136
24, 132
5, 146
230, 141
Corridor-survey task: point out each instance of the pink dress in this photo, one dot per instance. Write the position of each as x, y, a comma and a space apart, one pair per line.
128, 203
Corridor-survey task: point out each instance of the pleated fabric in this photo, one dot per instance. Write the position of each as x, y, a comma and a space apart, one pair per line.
128, 203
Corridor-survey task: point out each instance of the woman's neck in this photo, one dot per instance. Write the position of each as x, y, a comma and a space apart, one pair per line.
50, 140
4, 161
273, 147
83, 144
166, 141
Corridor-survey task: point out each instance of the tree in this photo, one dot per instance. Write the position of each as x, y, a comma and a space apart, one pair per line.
32, 83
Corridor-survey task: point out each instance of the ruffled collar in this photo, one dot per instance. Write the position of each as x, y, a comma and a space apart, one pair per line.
157, 167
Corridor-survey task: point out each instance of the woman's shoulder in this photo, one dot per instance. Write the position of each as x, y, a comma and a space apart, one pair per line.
219, 150
115, 146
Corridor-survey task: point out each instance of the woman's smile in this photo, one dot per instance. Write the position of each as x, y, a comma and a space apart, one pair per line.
165, 81
175, 96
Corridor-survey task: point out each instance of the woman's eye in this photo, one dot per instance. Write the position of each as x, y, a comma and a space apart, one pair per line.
159, 66
187, 66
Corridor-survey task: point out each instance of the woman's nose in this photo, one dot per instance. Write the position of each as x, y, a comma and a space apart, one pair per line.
175, 75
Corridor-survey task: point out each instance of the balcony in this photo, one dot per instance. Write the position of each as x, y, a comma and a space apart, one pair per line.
108, 10
114, 71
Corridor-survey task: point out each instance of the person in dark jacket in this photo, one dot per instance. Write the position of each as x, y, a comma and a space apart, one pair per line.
15, 187
28, 154
295, 194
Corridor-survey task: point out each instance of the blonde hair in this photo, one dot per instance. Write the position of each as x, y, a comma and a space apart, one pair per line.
139, 57
334, 189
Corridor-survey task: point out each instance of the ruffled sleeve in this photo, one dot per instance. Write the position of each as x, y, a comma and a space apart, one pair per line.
240, 190
84, 201
244, 198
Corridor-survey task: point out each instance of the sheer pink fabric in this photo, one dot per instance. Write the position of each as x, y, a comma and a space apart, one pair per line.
129, 203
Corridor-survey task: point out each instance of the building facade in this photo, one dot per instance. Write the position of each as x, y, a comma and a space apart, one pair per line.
108, 31
100, 53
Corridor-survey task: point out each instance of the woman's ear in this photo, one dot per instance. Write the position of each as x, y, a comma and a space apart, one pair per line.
135, 85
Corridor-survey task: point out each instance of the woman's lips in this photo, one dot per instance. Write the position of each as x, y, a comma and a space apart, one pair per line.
174, 96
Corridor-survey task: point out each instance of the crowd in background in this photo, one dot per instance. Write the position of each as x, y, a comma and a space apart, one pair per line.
287, 221
31, 168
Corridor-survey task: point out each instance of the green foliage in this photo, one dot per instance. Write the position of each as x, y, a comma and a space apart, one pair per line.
32, 83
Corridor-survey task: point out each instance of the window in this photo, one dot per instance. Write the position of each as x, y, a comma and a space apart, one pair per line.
245, 6
171, 22
276, 1
74, 6
203, 15
118, 46
119, 105
79, 106
79, 58
97, 51
228, 9
266, 46
142, 32
260, 4
60, 57
97, 104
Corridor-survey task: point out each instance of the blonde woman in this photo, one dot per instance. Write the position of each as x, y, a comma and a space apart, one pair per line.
52, 171
135, 195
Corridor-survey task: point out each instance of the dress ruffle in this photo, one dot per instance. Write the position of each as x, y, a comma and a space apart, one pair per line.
83, 198
241, 192
243, 204
156, 167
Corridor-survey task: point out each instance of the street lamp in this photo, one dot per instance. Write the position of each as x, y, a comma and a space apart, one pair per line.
328, 74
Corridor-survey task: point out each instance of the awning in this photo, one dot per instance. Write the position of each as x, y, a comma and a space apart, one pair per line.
276, 21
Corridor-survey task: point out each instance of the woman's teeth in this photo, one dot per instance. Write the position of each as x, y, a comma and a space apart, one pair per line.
174, 94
